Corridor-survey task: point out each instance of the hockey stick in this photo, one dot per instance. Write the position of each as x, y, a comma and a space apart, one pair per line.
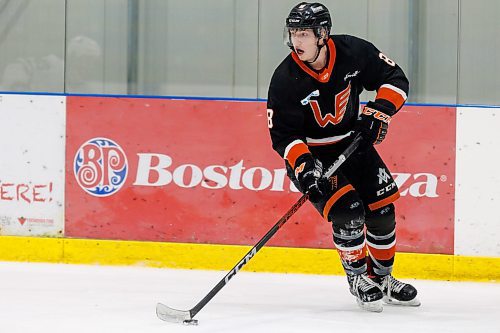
186, 316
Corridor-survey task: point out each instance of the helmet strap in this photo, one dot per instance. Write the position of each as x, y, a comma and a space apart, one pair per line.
318, 51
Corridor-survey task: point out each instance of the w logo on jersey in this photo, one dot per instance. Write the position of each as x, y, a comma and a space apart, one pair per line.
341, 100
100, 167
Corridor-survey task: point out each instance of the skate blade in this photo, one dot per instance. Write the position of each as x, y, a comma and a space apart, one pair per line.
393, 301
375, 306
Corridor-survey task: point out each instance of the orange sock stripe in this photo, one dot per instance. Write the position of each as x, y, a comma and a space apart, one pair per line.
295, 152
384, 202
336, 196
382, 254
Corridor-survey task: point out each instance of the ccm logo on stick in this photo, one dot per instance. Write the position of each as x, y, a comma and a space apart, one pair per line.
240, 265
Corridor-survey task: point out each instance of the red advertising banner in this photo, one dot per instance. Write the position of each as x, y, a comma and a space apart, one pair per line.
204, 172
420, 152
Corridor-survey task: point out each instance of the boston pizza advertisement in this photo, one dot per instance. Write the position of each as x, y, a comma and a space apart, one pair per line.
203, 171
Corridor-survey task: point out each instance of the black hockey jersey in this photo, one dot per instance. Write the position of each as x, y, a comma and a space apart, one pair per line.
306, 108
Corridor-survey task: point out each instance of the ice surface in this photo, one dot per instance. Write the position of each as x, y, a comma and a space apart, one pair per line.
77, 298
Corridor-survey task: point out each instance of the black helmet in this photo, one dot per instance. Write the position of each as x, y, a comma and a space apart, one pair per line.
310, 16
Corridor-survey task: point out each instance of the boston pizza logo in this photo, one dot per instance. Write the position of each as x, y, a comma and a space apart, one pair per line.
100, 167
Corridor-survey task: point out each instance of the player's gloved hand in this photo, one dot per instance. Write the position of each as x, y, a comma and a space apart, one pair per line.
309, 172
373, 122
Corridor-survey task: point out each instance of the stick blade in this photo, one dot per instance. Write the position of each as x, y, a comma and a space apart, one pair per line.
166, 313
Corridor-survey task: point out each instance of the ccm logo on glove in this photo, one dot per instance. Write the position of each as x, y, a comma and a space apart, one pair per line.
373, 123
377, 114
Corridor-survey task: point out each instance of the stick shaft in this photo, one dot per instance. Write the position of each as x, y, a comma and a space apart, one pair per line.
250, 254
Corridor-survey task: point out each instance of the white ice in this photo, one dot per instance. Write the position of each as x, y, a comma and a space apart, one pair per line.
77, 298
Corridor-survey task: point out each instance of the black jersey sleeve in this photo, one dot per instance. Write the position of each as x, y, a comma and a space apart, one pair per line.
285, 120
382, 74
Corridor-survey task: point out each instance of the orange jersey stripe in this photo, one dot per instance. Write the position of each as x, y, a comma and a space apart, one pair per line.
392, 96
384, 202
295, 152
382, 254
336, 196
326, 73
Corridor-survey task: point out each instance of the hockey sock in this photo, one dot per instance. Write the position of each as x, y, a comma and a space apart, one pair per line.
351, 247
381, 249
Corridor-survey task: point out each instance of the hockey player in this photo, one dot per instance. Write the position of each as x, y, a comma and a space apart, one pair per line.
313, 114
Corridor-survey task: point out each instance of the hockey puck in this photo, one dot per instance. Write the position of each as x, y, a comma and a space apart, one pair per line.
192, 322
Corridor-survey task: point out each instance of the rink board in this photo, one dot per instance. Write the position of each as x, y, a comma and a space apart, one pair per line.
157, 181
225, 257
477, 227
202, 171
32, 142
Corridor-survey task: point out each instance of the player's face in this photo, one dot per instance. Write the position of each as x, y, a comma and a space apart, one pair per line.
304, 43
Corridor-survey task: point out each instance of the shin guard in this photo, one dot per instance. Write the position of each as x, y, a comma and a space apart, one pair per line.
347, 216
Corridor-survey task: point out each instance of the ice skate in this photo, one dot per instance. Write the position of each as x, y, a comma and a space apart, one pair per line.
368, 294
397, 292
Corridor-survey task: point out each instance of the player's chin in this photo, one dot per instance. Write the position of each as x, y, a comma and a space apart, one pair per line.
305, 58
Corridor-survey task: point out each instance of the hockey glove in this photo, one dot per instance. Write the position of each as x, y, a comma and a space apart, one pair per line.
373, 122
308, 172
